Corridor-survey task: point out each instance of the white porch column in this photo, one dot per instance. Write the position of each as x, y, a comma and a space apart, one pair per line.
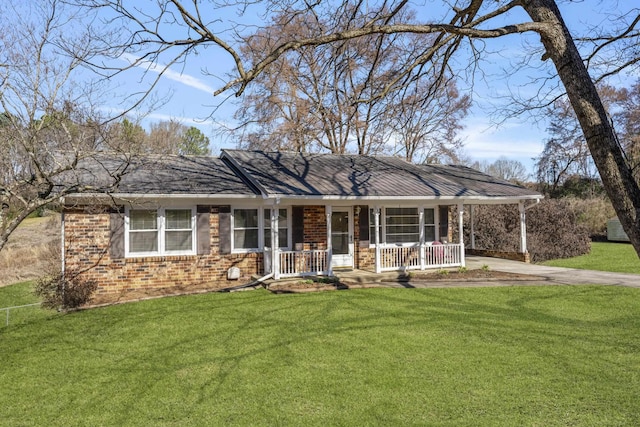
461, 232
421, 237
275, 250
327, 211
523, 227
473, 229
376, 222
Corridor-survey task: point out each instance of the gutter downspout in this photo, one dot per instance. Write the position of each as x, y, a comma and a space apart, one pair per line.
248, 285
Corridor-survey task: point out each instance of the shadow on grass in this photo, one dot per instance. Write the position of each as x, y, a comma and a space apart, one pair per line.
220, 347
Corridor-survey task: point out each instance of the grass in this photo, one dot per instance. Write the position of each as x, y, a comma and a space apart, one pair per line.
604, 256
485, 356
18, 295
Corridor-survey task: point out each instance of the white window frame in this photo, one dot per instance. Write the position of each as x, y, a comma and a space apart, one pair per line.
383, 225
289, 225
261, 228
233, 229
160, 215
435, 223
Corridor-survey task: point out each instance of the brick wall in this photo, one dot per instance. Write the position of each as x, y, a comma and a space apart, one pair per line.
315, 228
87, 234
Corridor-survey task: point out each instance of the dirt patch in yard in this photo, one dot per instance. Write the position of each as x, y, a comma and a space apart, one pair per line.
33, 250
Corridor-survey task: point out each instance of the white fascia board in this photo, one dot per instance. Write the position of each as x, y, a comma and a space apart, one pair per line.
90, 198
480, 200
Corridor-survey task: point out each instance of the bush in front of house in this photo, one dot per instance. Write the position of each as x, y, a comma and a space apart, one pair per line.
553, 230
63, 292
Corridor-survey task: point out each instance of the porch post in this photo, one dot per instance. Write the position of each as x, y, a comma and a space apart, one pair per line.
327, 210
461, 232
275, 250
376, 222
421, 237
523, 227
473, 229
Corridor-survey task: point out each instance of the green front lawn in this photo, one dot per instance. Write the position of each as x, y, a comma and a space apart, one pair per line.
18, 295
486, 356
604, 256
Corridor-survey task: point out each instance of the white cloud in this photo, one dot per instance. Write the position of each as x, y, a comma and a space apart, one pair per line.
515, 141
156, 67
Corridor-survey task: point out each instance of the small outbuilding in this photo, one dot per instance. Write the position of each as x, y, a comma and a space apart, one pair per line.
615, 232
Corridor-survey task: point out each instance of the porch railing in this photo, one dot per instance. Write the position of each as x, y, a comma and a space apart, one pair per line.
299, 263
392, 258
420, 257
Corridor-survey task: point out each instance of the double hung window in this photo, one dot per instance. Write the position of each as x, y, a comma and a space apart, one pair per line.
252, 229
160, 232
283, 228
246, 229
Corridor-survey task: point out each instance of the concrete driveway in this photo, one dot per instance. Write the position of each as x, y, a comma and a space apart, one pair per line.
556, 275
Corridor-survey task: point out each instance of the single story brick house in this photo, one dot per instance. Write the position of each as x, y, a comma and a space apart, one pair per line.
176, 222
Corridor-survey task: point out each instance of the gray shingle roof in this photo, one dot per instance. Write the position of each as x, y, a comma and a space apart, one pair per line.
299, 174
167, 174
295, 175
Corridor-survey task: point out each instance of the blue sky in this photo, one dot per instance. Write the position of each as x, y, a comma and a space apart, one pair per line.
521, 138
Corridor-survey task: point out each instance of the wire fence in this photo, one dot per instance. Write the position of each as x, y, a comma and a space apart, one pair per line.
8, 310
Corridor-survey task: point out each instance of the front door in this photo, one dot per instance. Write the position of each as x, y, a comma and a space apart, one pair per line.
342, 237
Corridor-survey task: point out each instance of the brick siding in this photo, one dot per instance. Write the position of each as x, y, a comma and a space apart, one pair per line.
87, 234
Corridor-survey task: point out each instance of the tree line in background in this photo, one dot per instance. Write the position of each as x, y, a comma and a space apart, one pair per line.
164, 137
364, 77
576, 207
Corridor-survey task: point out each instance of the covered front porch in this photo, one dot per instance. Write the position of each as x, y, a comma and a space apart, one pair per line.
375, 238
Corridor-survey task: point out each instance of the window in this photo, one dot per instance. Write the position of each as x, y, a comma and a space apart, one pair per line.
372, 226
402, 225
429, 225
160, 232
283, 228
143, 231
245, 229
179, 230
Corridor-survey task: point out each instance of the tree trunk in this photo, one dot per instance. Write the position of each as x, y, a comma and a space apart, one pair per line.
608, 156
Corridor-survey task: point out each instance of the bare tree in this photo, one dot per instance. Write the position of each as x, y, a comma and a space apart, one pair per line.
151, 36
565, 152
426, 118
627, 119
48, 126
511, 170
328, 97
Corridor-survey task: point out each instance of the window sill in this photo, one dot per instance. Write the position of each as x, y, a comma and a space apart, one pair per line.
159, 258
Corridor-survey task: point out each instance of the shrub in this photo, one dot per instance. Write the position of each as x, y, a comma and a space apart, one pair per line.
63, 293
553, 230
593, 213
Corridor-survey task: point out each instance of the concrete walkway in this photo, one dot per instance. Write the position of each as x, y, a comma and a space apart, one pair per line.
539, 275
556, 275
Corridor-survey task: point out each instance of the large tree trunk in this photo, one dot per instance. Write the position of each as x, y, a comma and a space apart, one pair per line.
615, 171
